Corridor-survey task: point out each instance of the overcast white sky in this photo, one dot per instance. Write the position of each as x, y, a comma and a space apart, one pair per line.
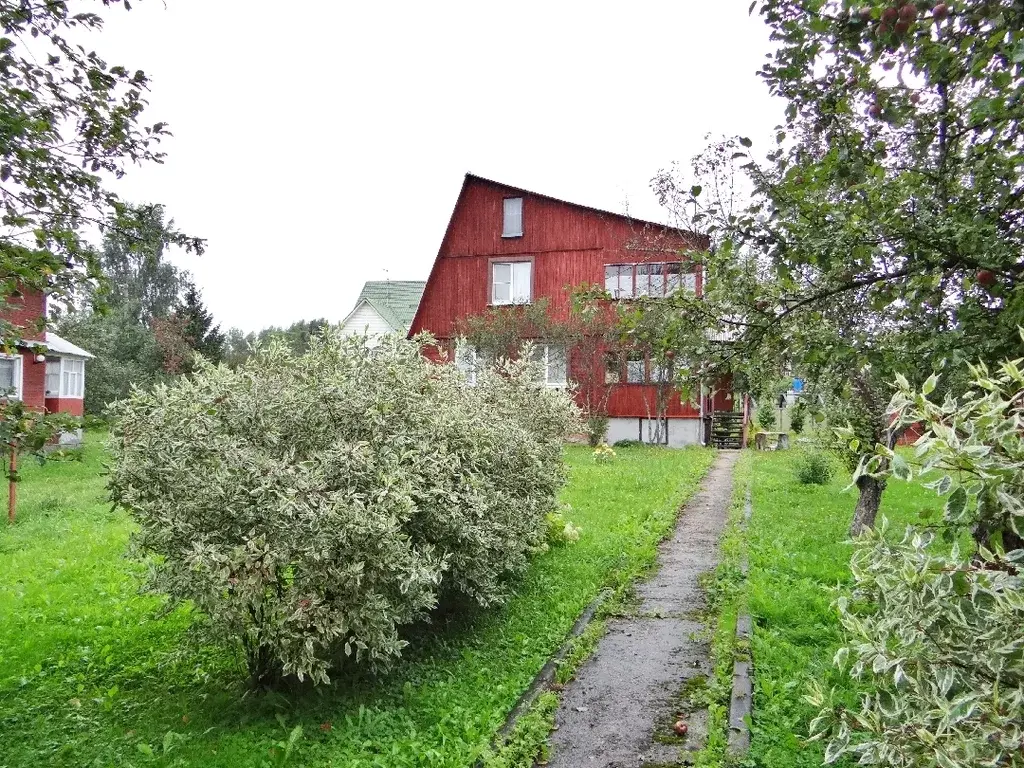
322, 144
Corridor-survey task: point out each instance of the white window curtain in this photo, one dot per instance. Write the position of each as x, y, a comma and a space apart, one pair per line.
618, 280
635, 369
673, 273
72, 378
10, 377
521, 273
53, 377
555, 366
511, 282
468, 360
553, 358
512, 222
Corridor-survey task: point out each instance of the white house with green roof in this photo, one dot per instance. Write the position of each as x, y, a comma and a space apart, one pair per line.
383, 307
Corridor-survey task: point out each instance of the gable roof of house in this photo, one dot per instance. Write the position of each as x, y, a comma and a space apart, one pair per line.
394, 300
471, 177
61, 346
701, 240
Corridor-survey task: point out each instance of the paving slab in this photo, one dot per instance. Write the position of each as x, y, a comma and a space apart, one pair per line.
619, 711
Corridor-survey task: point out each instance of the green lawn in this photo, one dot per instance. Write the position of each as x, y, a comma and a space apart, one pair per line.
798, 554
92, 673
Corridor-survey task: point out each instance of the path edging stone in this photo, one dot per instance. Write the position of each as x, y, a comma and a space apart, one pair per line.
544, 678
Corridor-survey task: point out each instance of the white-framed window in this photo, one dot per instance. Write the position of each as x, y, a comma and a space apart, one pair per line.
512, 217
65, 377
659, 373
636, 368
553, 357
52, 385
618, 280
511, 282
72, 374
627, 281
468, 360
10, 376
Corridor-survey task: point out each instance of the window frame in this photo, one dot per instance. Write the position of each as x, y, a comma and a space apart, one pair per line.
57, 362
545, 359
636, 357
18, 377
684, 279
511, 260
505, 233
65, 394
63, 391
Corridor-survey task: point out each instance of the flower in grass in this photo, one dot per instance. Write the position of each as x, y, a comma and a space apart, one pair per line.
603, 453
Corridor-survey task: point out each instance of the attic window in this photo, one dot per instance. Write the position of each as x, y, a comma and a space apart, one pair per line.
512, 222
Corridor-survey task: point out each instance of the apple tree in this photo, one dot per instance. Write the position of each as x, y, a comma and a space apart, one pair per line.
70, 122
883, 230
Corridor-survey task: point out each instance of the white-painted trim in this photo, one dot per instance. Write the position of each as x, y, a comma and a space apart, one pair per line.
61, 393
19, 376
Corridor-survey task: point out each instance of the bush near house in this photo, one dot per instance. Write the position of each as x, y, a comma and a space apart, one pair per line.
312, 505
935, 621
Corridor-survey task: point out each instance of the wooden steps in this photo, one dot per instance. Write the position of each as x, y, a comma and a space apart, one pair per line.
727, 429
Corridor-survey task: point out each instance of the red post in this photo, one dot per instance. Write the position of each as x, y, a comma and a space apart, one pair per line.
12, 486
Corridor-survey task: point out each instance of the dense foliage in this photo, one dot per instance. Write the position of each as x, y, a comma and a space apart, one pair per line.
935, 624
814, 468
69, 122
144, 320
587, 332
311, 506
238, 345
879, 233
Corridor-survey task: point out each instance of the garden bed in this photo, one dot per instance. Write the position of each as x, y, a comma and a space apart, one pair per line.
93, 672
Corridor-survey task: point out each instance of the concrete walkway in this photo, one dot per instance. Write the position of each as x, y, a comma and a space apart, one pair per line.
620, 709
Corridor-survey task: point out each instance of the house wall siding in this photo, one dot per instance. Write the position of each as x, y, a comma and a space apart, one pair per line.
569, 246
365, 320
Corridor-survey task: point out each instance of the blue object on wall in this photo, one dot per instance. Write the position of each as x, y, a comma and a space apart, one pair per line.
798, 385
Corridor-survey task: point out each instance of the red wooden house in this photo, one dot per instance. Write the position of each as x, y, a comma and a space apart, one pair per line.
506, 245
46, 372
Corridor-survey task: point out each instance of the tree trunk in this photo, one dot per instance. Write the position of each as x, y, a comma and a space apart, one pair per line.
12, 488
868, 502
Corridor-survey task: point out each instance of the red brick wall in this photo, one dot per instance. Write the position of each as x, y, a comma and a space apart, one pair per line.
26, 312
33, 382
72, 405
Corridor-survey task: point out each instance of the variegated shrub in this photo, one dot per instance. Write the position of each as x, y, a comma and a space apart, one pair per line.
311, 506
936, 624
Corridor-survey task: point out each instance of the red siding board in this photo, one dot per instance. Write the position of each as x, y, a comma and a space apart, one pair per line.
569, 244
74, 406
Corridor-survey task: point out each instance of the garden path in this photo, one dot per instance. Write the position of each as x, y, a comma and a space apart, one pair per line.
620, 710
